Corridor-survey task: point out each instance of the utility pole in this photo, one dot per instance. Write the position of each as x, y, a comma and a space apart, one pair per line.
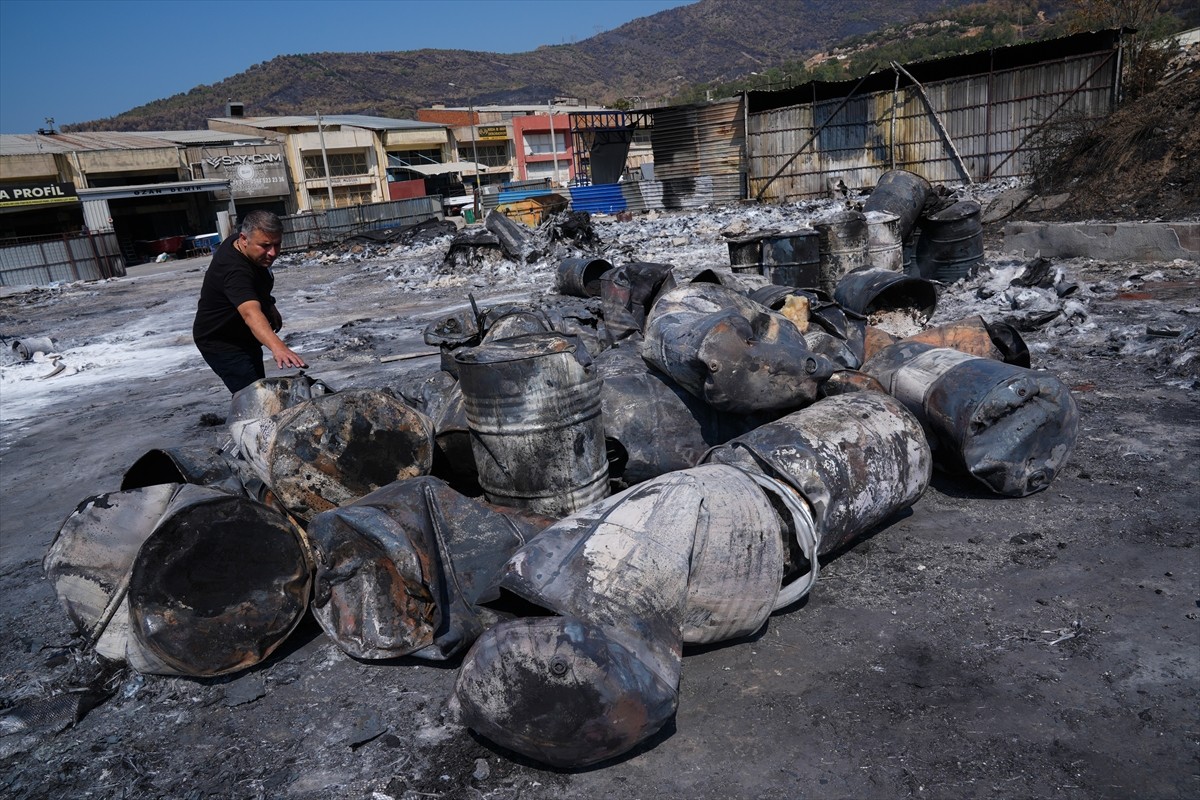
553, 141
475, 157
325, 160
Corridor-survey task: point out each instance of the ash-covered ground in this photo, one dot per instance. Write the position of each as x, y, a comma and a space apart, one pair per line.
976, 646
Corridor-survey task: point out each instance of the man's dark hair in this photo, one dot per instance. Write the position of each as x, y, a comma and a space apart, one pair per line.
261, 220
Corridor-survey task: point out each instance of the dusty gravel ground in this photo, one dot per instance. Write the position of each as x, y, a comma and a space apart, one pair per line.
975, 646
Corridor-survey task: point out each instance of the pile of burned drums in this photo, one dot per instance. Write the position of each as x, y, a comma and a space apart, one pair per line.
589, 483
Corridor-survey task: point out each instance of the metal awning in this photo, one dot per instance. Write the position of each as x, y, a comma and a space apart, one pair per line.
153, 189
460, 167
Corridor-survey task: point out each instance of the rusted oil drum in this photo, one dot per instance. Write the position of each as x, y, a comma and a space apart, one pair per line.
902, 193
978, 337
696, 555
792, 259
515, 323
885, 246
869, 290
843, 239
909, 249
1011, 428
267, 397
399, 571
333, 449
951, 244
580, 277
733, 353
857, 458
533, 406
180, 579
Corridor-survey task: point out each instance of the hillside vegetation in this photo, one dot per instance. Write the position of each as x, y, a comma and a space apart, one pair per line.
657, 57
710, 48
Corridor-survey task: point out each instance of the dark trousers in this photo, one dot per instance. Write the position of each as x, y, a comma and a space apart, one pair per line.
237, 370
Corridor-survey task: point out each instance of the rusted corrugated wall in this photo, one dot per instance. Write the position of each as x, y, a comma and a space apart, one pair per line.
699, 153
991, 116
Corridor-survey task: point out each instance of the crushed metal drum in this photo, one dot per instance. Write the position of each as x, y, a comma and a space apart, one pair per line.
200, 465
978, 337
857, 458
400, 570
27, 348
652, 426
333, 449
696, 555
267, 397
627, 293
1011, 428
180, 579
735, 354
533, 408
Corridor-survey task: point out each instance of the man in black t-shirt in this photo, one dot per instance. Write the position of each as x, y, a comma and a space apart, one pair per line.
236, 316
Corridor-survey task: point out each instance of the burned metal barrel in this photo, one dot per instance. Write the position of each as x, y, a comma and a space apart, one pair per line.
843, 246
812, 311
399, 572
731, 352
27, 348
978, 337
885, 246
180, 579
746, 251
902, 193
696, 555
652, 426
200, 465
533, 406
857, 458
269, 396
580, 277
627, 294
331, 450
1011, 428
792, 259
872, 290
951, 243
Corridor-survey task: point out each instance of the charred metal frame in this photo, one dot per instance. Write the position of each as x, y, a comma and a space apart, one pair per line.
589, 128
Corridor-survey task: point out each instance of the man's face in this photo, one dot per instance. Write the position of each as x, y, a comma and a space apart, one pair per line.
259, 247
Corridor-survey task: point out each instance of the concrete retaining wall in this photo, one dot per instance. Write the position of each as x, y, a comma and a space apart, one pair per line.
1121, 241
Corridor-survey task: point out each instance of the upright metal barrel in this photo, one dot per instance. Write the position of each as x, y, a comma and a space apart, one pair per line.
792, 258
902, 193
1011, 428
885, 247
951, 244
746, 251
533, 406
843, 246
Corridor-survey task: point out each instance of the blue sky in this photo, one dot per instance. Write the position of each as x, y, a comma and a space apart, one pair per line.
78, 60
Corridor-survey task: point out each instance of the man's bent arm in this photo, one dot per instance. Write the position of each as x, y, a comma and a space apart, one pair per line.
260, 326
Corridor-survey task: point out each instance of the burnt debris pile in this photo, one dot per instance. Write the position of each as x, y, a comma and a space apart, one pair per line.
651, 455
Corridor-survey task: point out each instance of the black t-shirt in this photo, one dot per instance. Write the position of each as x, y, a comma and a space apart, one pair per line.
231, 280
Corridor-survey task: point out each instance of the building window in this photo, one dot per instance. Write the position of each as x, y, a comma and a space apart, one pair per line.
343, 196
430, 155
340, 165
490, 155
537, 144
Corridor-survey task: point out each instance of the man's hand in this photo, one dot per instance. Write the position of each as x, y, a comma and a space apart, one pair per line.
285, 357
